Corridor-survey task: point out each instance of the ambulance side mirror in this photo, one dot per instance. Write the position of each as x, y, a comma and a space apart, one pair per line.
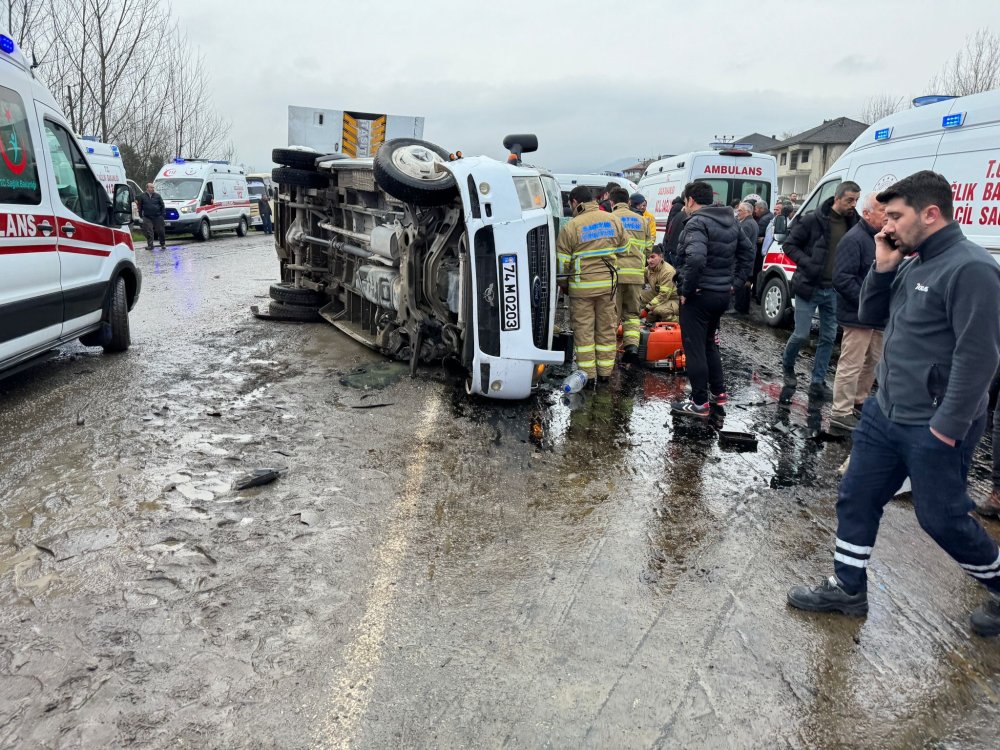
780, 228
121, 206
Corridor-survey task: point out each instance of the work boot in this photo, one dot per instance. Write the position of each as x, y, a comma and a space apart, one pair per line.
990, 508
845, 422
820, 392
829, 596
630, 353
689, 408
788, 389
985, 621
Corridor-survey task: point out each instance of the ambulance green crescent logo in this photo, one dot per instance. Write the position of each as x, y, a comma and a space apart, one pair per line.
15, 157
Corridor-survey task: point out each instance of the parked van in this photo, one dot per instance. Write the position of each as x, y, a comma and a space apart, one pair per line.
733, 171
67, 265
956, 137
596, 182
203, 197
261, 188
106, 161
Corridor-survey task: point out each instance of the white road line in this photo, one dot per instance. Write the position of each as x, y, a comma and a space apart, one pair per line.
352, 691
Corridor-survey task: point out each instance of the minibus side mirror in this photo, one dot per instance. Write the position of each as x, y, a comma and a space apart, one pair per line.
780, 228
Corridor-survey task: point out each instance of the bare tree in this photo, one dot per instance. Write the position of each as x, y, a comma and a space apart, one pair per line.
197, 129
27, 21
974, 68
881, 105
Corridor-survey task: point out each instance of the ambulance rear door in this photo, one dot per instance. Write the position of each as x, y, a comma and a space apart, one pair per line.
31, 303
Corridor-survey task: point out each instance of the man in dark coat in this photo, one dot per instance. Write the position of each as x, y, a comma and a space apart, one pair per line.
750, 226
812, 244
715, 258
861, 345
151, 211
676, 220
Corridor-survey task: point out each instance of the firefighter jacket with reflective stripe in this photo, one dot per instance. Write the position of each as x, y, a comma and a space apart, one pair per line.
651, 221
632, 263
586, 251
661, 286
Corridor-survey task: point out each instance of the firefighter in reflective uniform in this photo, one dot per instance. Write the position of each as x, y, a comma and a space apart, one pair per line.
586, 251
631, 266
659, 297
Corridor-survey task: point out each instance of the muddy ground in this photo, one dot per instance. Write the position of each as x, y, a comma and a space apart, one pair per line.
436, 572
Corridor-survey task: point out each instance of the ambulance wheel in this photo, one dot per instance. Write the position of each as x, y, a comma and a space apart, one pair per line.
121, 339
299, 178
241, 228
296, 158
204, 233
407, 169
774, 302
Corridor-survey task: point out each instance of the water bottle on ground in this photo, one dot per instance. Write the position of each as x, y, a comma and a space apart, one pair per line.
575, 382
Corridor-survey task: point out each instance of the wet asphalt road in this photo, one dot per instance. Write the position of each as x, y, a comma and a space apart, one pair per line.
436, 572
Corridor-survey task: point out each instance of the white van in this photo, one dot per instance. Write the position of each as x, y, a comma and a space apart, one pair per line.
733, 171
596, 182
67, 265
202, 197
260, 188
956, 137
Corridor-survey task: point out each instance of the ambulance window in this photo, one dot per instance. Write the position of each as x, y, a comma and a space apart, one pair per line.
720, 190
18, 167
78, 189
761, 189
826, 191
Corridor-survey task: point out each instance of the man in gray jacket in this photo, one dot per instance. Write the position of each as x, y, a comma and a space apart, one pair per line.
941, 308
750, 227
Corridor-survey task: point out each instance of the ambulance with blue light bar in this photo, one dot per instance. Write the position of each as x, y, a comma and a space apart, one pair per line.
732, 169
203, 197
956, 137
67, 264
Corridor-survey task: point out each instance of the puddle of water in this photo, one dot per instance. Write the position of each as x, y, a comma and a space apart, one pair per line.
375, 376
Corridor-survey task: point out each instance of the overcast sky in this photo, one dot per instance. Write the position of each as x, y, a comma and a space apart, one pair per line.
596, 81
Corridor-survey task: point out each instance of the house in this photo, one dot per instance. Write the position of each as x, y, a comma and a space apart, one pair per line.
761, 143
804, 158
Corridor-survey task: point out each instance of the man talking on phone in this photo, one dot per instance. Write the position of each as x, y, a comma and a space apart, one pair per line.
941, 310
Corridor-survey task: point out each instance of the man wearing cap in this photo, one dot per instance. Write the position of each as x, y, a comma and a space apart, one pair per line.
631, 267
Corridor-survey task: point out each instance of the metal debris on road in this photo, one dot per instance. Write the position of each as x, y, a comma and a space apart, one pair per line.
257, 478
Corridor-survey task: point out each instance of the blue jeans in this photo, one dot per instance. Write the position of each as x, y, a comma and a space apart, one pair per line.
825, 300
883, 455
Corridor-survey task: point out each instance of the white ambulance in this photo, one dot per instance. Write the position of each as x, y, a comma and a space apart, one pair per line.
956, 137
203, 196
732, 169
67, 267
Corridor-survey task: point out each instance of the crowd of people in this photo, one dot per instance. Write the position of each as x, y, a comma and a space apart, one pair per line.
919, 306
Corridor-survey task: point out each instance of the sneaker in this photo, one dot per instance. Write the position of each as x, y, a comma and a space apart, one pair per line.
719, 400
689, 409
820, 391
830, 596
845, 422
990, 508
985, 621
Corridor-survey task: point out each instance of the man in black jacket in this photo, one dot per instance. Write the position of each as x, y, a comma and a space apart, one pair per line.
714, 257
151, 211
941, 309
676, 220
861, 345
812, 244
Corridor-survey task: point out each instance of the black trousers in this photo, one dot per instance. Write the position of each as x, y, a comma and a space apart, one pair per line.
700, 317
154, 226
743, 295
